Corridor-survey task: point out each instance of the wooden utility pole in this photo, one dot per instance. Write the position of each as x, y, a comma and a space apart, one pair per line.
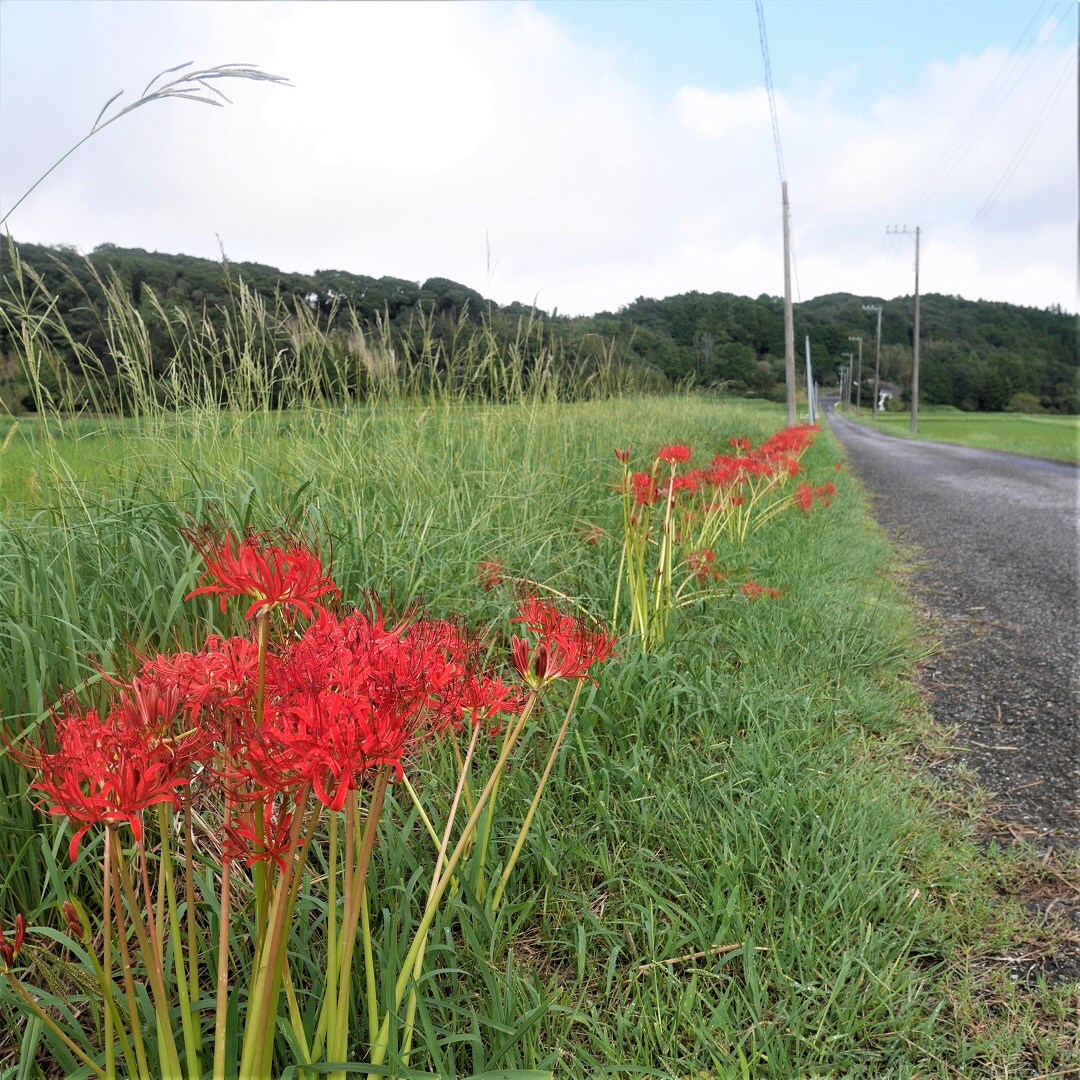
789, 319
877, 356
915, 343
858, 377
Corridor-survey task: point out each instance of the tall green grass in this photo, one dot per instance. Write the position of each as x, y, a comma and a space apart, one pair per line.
735, 871
739, 869
255, 353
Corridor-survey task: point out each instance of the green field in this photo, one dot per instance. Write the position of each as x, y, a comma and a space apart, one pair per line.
742, 867
1053, 437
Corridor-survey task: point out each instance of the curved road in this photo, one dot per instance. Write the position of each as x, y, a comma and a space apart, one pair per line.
995, 539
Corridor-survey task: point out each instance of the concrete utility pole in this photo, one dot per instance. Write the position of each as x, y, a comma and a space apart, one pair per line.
789, 318
915, 345
811, 405
847, 397
877, 356
858, 377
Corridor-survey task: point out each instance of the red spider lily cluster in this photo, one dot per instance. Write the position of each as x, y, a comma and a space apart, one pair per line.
675, 515
729, 479
348, 695
806, 494
108, 768
269, 731
490, 573
753, 591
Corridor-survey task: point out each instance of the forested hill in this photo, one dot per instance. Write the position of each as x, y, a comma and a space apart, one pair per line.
975, 354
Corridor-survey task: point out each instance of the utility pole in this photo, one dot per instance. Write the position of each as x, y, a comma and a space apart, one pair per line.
915, 344
847, 396
877, 355
858, 377
812, 411
789, 319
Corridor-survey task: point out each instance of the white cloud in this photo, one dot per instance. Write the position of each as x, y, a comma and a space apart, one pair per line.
414, 131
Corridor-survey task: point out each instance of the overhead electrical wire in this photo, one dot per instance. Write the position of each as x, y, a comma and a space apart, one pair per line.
764, 39
1021, 152
998, 91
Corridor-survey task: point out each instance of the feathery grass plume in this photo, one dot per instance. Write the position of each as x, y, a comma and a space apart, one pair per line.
195, 85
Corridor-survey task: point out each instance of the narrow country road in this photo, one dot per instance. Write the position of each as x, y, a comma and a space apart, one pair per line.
995, 540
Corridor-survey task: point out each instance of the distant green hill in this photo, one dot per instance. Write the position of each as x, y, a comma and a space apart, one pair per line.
976, 355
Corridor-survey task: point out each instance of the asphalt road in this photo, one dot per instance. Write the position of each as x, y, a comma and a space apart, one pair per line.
995, 540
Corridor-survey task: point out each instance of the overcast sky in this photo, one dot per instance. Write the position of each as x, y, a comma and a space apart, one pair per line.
578, 153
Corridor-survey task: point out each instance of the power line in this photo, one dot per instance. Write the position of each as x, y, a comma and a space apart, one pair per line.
1033, 131
763, 37
998, 91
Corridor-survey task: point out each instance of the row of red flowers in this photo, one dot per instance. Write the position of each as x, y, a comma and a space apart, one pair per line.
347, 695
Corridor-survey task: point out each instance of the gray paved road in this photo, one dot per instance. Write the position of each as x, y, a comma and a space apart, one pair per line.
996, 537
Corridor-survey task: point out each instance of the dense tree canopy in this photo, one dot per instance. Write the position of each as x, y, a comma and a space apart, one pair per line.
976, 355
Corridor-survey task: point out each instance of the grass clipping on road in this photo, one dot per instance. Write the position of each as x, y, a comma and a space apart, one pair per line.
742, 866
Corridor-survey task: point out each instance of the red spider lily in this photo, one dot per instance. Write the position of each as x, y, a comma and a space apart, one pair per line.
276, 842
838, 466
221, 676
689, 482
826, 492
804, 497
109, 769
353, 695
566, 649
623, 455
8, 953
701, 565
643, 488
753, 591
289, 577
74, 923
739, 443
673, 455
490, 573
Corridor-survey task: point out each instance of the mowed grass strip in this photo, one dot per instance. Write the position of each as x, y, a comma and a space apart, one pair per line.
739, 868
1056, 438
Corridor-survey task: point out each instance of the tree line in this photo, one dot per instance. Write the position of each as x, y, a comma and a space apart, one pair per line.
975, 355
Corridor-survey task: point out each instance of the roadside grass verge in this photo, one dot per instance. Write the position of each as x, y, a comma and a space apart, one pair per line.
741, 867
1054, 437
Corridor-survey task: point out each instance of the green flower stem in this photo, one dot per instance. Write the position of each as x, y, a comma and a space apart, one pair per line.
260, 873
418, 966
420, 809
332, 958
108, 991
371, 986
470, 802
190, 910
381, 1045
106, 960
356, 903
187, 1016
146, 934
125, 959
221, 1013
527, 823
52, 1025
260, 1028
296, 1020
